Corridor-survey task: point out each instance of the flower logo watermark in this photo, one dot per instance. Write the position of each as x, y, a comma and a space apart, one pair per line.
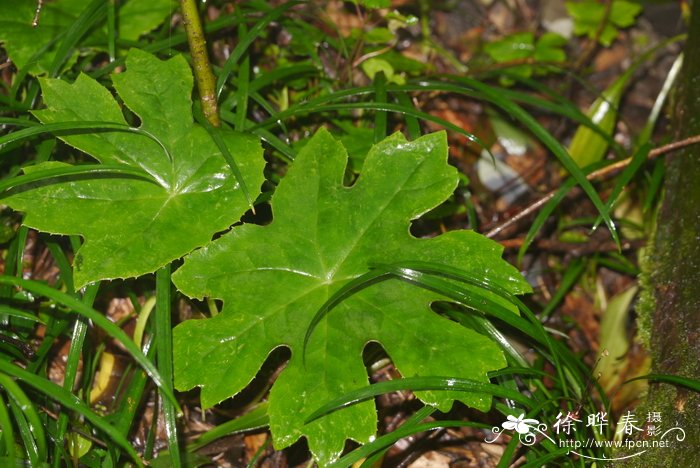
530, 430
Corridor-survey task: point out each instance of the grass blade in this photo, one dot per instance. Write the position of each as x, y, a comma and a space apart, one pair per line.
71, 402
254, 419
164, 352
247, 40
33, 431
380, 117
412, 123
8, 432
571, 275
100, 320
215, 134
111, 30
416, 384
686, 382
379, 449
64, 171
69, 128
517, 112
638, 159
93, 14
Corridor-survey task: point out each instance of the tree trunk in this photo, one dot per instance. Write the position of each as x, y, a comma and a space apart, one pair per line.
673, 279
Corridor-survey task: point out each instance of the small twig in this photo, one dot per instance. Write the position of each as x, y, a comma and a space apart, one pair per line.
595, 175
37, 12
574, 249
206, 83
375, 53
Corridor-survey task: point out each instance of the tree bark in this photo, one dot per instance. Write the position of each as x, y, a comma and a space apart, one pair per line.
673, 278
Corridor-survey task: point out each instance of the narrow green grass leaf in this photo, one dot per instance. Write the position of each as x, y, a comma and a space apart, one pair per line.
13, 312
164, 45
638, 159
254, 419
517, 112
559, 105
282, 74
668, 85
70, 128
80, 329
33, 433
132, 397
8, 432
379, 448
262, 102
164, 352
71, 402
414, 272
94, 13
25, 433
286, 151
569, 278
142, 320
242, 82
412, 123
100, 320
18, 122
655, 180
473, 297
78, 335
348, 289
416, 384
565, 109
380, 117
677, 380
62, 261
112, 29
539, 462
394, 436
549, 207
242, 94
507, 455
391, 107
215, 134
306, 107
66, 170
247, 40
485, 327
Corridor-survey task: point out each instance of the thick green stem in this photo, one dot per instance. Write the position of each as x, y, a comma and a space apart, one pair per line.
206, 83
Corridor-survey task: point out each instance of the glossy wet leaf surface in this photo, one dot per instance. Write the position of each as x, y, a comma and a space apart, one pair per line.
132, 226
273, 279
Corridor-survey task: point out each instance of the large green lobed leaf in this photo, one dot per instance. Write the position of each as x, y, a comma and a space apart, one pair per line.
274, 278
133, 226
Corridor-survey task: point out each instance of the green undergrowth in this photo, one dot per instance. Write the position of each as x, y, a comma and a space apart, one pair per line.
294, 225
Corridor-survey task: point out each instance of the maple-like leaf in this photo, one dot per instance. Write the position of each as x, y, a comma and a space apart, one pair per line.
274, 278
133, 226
